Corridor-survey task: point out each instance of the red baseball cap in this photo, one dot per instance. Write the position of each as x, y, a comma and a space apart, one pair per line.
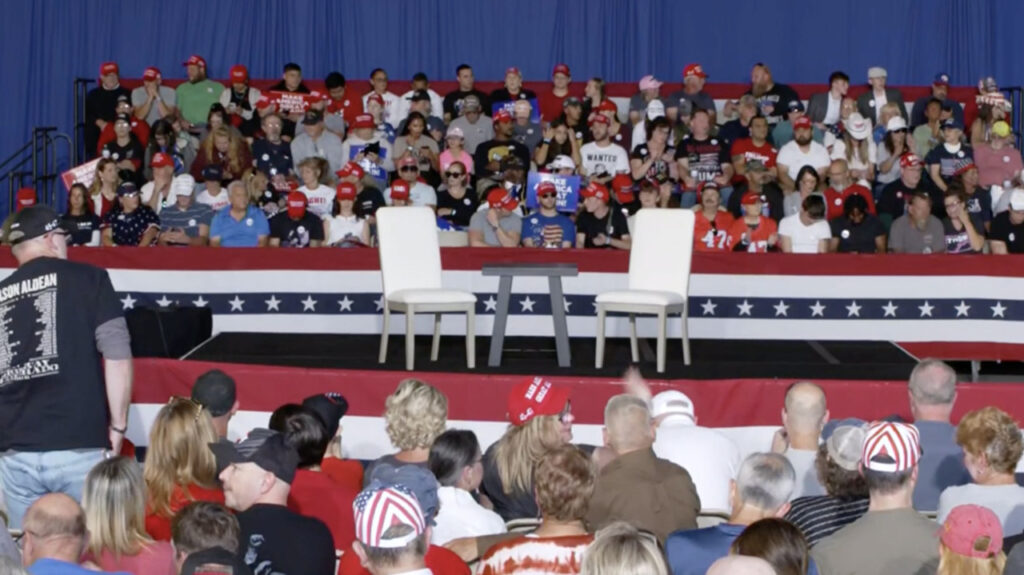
363, 121
607, 105
346, 191
400, 190
296, 204
239, 73
161, 160
598, 118
535, 396
513, 70
802, 122
408, 160
694, 70
623, 186
595, 190
750, 198
351, 169
263, 102
546, 187
151, 73
499, 198
502, 116
560, 69
972, 531
375, 97
195, 60
108, 68
26, 197
910, 160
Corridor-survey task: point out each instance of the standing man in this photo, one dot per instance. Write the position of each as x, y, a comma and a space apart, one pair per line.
101, 104
932, 393
553, 102
453, 101
53, 309
694, 79
197, 94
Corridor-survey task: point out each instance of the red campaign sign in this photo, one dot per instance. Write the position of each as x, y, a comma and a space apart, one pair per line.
83, 174
291, 102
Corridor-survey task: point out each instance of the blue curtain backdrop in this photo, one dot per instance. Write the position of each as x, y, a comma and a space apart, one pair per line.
45, 44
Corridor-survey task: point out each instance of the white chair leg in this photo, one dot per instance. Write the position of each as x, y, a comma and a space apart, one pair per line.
684, 317
471, 337
634, 346
383, 355
410, 334
599, 353
662, 327
435, 345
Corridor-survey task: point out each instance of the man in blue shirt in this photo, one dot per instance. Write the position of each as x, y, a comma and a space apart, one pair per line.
546, 227
932, 389
55, 536
240, 224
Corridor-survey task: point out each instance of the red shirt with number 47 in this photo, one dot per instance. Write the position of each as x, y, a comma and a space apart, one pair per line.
756, 238
712, 236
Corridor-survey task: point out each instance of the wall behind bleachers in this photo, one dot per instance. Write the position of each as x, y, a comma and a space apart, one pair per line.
47, 43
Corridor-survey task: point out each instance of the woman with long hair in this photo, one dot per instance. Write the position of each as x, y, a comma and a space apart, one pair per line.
593, 95
964, 233
103, 191
181, 147
114, 501
857, 148
226, 148
83, 223
457, 463
778, 542
558, 140
415, 140
180, 467
346, 227
807, 182
621, 549
894, 145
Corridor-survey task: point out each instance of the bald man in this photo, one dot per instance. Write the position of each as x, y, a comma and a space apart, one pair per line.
55, 536
741, 565
637, 486
803, 417
932, 391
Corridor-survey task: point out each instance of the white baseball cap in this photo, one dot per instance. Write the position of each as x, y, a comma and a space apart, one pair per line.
1017, 199
673, 404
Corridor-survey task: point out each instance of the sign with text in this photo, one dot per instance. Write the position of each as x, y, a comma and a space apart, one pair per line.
293, 102
510, 108
568, 190
373, 170
83, 174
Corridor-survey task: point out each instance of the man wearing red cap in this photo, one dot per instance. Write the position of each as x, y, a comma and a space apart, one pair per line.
420, 194
101, 104
363, 138
547, 227
892, 203
296, 227
152, 100
26, 197
602, 159
197, 94
551, 102
498, 225
694, 79
753, 232
600, 226
368, 198
801, 151
240, 101
513, 89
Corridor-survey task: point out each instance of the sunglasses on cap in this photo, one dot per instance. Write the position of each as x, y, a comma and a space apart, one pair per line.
196, 406
454, 174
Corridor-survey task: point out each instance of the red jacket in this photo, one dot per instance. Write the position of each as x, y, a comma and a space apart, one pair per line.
834, 200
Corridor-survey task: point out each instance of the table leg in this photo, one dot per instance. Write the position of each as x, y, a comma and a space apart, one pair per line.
558, 317
500, 319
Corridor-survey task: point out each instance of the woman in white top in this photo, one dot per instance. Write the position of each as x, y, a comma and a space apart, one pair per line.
992, 446
346, 227
806, 232
316, 185
455, 459
857, 148
892, 149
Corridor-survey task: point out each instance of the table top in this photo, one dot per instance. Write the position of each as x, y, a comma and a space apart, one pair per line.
540, 269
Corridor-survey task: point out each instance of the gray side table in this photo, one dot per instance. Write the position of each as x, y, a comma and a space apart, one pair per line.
554, 272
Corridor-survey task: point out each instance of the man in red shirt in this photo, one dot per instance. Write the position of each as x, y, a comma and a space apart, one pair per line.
712, 224
841, 186
756, 147
338, 105
551, 103
754, 232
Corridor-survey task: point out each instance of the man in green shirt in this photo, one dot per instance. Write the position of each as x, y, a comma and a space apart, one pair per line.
197, 95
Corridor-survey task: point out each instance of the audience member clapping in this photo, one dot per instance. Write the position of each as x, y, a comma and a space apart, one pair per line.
457, 462
415, 414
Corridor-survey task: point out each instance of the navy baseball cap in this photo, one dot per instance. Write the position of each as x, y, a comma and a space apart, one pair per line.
34, 221
265, 448
329, 408
952, 123
215, 390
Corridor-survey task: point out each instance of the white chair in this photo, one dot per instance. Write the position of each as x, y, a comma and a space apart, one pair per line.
659, 278
410, 266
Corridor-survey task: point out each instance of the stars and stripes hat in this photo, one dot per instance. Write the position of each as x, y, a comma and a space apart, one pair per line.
891, 447
379, 509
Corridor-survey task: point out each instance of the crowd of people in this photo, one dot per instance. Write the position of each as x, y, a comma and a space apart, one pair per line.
233, 165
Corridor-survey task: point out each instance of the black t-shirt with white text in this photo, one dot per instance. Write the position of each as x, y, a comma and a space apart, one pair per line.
453, 102
774, 102
274, 539
1004, 230
296, 233
81, 227
52, 390
591, 226
705, 156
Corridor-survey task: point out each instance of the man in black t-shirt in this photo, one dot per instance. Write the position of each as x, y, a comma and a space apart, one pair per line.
893, 201
513, 89
703, 158
453, 100
257, 476
65, 383
297, 227
600, 226
857, 231
101, 104
1007, 233
772, 98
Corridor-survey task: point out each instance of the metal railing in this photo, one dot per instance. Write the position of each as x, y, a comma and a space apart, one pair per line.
37, 163
81, 90
1015, 95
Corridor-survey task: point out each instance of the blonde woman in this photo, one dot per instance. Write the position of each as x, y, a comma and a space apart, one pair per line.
620, 549
226, 148
317, 185
541, 419
114, 500
415, 414
103, 191
858, 149
180, 467
971, 543
992, 446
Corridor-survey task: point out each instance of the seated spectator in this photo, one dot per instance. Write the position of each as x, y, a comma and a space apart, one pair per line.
157, 193
363, 142
824, 108
971, 541
240, 224
398, 194
419, 193
755, 147
760, 181
599, 226
546, 227
456, 461
291, 82
454, 150
654, 158
753, 231
345, 227
802, 151
215, 391
646, 197
846, 499
179, 468
415, 414
595, 97
870, 103
711, 230
944, 160
103, 190
184, 222
476, 127
498, 225
963, 232
889, 111
602, 159
297, 227
389, 101
574, 120
841, 186
649, 91
204, 531
125, 148
620, 548
257, 476
928, 134
316, 141
55, 536
317, 184
416, 135
456, 202
273, 155
402, 545
214, 195
215, 118
772, 98
340, 111
489, 154
558, 141
368, 197
226, 149
992, 446
702, 158
761, 489
858, 231
891, 537
81, 222
694, 80
803, 416
564, 480
182, 147
808, 181
741, 565
512, 90
455, 102
858, 149
998, 161
894, 145
978, 201
541, 419
739, 129
637, 486
152, 101
329, 408
138, 128
1007, 234
552, 101
895, 197
778, 542
240, 101
939, 92
195, 96
782, 133
130, 224
918, 231
524, 129
624, 191
114, 500
992, 108
383, 130
806, 232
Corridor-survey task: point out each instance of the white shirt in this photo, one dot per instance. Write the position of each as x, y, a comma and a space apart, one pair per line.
856, 162
320, 200
711, 458
391, 106
611, 159
461, 516
436, 107
879, 100
807, 483
804, 238
419, 195
794, 158
1006, 501
341, 227
833, 110
215, 202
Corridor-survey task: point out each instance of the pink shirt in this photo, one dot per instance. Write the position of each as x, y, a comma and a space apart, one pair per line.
447, 159
157, 558
996, 166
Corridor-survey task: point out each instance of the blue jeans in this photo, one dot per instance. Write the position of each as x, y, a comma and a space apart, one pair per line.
27, 476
